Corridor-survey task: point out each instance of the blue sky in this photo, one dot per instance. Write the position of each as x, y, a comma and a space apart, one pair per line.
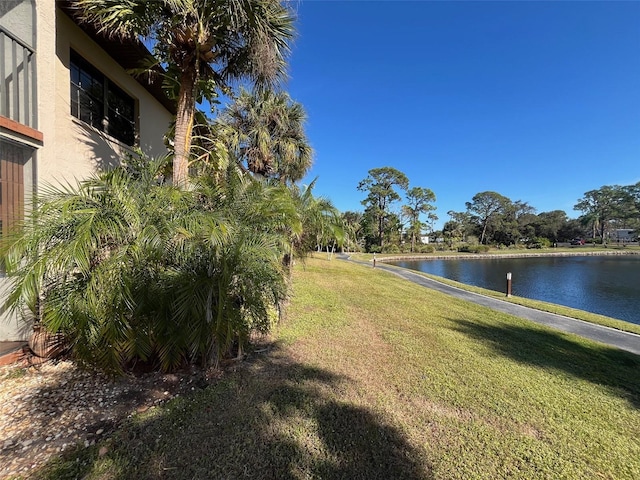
538, 101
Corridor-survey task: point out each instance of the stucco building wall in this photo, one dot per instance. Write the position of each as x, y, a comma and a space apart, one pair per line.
74, 149
69, 149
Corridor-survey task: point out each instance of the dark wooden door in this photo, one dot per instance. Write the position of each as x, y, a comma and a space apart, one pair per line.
12, 160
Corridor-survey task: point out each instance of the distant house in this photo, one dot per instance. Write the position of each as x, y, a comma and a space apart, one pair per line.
624, 235
68, 107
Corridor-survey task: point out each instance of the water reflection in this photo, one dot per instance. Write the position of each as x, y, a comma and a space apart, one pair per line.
609, 285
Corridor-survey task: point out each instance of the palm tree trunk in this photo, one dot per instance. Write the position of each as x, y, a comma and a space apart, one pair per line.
184, 125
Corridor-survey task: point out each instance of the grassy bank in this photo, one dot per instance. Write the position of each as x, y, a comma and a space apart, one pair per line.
544, 306
611, 249
373, 377
537, 304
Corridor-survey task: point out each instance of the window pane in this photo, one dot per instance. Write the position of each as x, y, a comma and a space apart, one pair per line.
88, 88
120, 115
75, 74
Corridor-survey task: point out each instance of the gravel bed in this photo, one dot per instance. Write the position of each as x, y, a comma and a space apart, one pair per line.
50, 408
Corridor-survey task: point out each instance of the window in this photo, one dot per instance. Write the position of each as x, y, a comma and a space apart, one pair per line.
99, 102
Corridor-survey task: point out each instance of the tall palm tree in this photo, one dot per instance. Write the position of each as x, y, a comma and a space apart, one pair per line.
205, 43
265, 130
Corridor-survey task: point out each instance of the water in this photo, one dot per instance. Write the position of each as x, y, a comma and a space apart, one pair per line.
609, 285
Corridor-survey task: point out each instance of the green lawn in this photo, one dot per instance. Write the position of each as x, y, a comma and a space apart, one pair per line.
537, 304
544, 306
373, 377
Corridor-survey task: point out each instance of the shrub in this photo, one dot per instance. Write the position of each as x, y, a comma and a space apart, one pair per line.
426, 249
539, 242
393, 248
473, 240
474, 248
129, 270
405, 248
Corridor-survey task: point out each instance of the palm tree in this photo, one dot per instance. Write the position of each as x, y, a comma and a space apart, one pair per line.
205, 43
320, 220
265, 130
353, 225
419, 200
242, 280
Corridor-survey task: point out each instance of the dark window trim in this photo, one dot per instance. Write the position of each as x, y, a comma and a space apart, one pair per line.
98, 101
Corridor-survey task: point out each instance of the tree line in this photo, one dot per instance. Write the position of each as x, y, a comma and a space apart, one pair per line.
489, 218
495, 219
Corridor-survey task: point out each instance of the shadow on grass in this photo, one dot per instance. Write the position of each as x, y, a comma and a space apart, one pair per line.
271, 419
613, 368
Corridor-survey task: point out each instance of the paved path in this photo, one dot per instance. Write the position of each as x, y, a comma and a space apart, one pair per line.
610, 336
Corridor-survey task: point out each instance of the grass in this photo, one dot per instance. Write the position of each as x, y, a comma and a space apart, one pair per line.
537, 304
578, 250
544, 306
373, 377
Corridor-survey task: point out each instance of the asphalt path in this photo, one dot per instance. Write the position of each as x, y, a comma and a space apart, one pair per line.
609, 336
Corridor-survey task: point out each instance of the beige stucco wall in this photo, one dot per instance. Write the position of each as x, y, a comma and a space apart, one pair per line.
16, 17
71, 149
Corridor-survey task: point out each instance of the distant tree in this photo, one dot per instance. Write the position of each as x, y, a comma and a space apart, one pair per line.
458, 226
513, 223
550, 224
484, 208
393, 230
601, 206
432, 218
354, 229
571, 229
381, 184
525, 217
632, 207
419, 200
320, 220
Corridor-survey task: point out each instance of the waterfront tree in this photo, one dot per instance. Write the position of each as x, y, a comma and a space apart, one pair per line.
550, 224
381, 186
419, 200
485, 208
633, 203
600, 206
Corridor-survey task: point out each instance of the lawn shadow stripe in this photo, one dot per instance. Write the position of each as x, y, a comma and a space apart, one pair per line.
273, 418
599, 364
